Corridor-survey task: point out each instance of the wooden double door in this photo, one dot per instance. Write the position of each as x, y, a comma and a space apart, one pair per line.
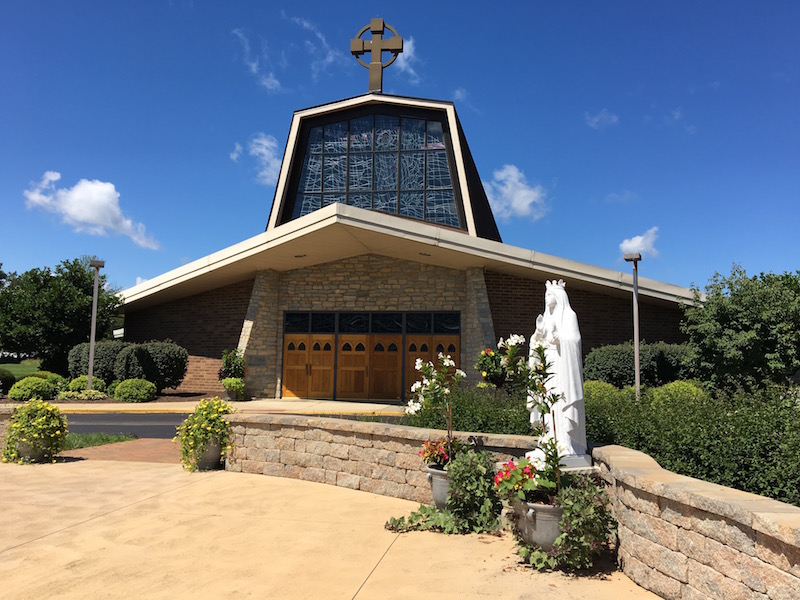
359, 365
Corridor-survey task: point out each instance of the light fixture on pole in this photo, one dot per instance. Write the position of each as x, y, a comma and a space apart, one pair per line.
97, 265
635, 258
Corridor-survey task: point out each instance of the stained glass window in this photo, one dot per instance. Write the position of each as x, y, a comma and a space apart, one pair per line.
379, 162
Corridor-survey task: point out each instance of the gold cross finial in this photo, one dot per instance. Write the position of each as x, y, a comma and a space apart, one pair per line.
376, 46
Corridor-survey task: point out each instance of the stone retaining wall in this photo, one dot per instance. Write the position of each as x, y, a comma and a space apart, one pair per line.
5, 417
687, 539
372, 457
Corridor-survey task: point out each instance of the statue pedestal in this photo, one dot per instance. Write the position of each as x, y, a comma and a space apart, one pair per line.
580, 461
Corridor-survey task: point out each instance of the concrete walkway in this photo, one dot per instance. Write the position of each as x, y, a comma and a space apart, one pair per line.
118, 529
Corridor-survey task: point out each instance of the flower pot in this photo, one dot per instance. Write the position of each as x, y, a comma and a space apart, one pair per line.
29, 453
211, 457
440, 485
231, 395
538, 524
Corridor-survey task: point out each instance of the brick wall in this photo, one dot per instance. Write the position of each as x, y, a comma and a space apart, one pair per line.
205, 324
372, 457
516, 302
5, 417
686, 539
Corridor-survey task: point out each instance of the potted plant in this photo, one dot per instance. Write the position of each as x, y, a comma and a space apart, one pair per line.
232, 364
437, 456
433, 391
205, 435
37, 431
234, 388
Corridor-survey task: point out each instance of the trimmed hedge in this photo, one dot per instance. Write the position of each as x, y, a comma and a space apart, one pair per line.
135, 390
32, 387
744, 441
79, 384
163, 363
7, 379
660, 363
105, 356
479, 409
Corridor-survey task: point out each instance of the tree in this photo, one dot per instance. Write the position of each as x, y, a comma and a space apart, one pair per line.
746, 333
46, 312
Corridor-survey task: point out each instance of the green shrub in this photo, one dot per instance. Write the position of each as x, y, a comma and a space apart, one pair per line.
56, 380
478, 409
163, 363
746, 441
7, 379
170, 361
200, 428
79, 384
38, 424
32, 387
105, 356
135, 390
112, 387
659, 363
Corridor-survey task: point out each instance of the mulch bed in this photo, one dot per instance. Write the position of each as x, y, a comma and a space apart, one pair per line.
164, 397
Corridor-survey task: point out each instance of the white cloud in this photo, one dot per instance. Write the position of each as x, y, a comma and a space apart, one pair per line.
460, 95
623, 197
264, 148
255, 64
644, 244
510, 195
89, 207
407, 61
321, 49
140, 280
237, 152
601, 120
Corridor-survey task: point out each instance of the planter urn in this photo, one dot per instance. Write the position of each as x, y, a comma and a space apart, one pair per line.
440, 485
538, 524
211, 457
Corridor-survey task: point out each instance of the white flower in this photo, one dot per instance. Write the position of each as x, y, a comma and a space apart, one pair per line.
515, 340
412, 407
446, 391
460, 373
416, 386
418, 364
447, 361
501, 344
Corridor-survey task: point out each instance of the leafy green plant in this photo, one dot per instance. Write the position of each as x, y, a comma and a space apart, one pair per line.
79, 384
39, 425
531, 482
201, 427
234, 386
57, 381
90, 395
660, 363
472, 503
232, 364
112, 387
135, 390
435, 453
7, 379
32, 387
105, 355
586, 525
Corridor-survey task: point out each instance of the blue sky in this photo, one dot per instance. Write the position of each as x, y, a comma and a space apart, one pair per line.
149, 133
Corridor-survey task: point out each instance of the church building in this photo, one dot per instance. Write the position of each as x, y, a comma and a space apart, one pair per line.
380, 247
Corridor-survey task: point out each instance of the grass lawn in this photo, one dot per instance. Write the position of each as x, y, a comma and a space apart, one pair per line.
87, 440
22, 369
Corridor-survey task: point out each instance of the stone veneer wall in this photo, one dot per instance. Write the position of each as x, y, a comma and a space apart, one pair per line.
363, 283
5, 417
516, 302
372, 457
687, 539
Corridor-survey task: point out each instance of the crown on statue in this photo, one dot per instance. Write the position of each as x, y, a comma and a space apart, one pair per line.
552, 284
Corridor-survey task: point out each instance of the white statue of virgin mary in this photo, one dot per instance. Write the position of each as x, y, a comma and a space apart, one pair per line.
557, 330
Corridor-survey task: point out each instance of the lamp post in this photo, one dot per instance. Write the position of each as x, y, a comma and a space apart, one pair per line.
97, 265
635, 258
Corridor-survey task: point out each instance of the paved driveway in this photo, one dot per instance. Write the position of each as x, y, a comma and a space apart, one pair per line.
118, 529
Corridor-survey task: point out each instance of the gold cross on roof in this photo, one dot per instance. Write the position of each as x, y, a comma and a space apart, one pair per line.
376, 46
